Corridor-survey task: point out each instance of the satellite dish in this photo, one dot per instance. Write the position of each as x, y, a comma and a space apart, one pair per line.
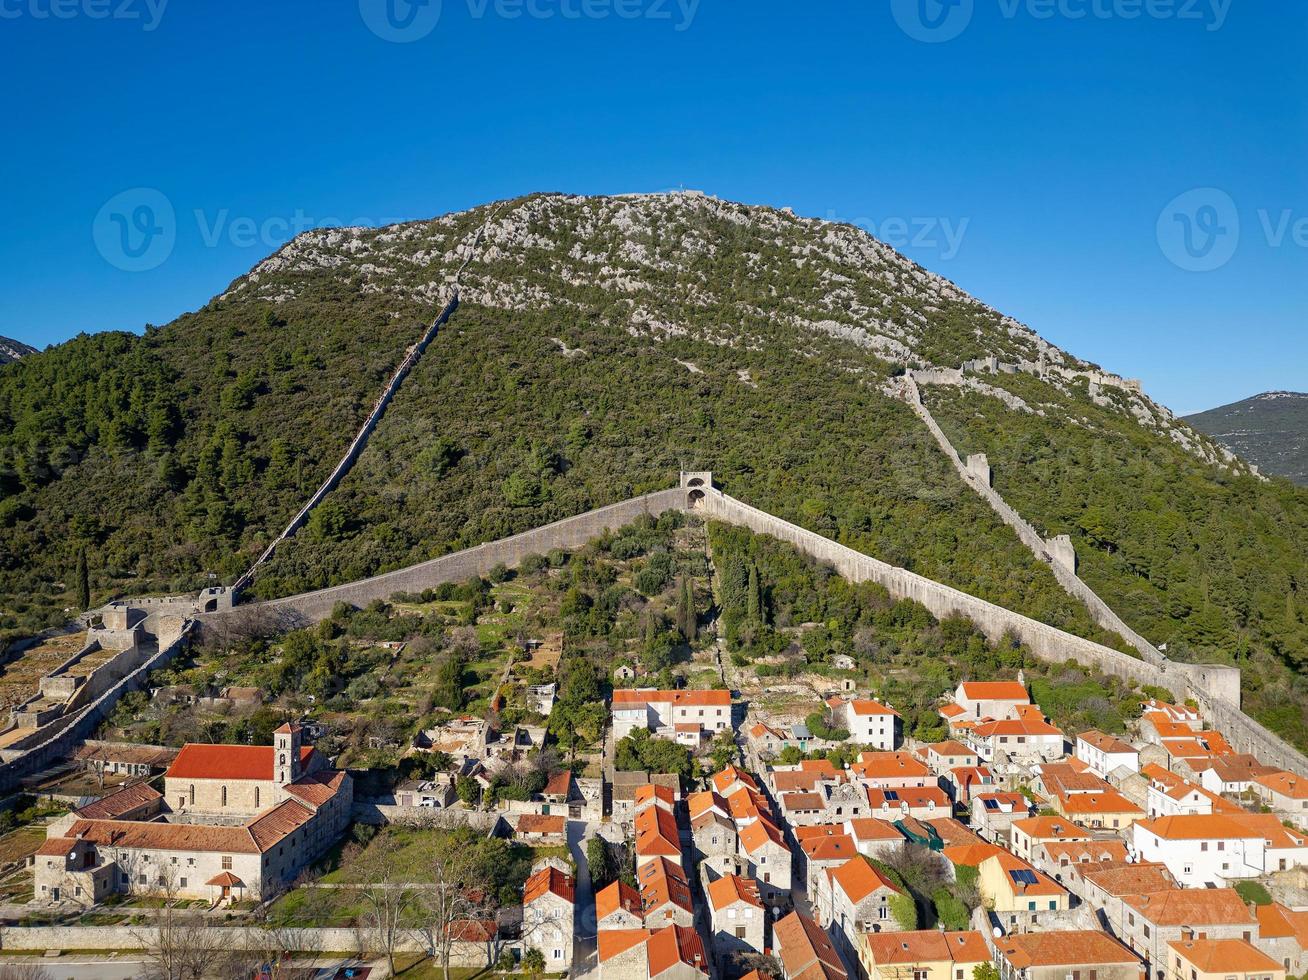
998, 933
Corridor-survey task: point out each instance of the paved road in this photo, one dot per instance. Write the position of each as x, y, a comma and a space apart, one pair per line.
584, 950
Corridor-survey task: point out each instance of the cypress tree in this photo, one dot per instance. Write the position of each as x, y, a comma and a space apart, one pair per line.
83, 581
753, 611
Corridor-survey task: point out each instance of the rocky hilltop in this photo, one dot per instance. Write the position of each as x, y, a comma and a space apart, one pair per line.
601, 345
1269, 430
12, 350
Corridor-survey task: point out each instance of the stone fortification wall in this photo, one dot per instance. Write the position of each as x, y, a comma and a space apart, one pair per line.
1053, 553
64, 735
571, 532
356, 446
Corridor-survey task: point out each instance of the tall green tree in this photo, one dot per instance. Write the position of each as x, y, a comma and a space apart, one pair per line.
83, 576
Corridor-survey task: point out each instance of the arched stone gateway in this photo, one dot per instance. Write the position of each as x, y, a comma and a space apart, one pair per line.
695, 498
695, 481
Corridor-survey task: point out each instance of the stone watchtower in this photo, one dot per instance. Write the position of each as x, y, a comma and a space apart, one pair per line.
286, 754
695, 482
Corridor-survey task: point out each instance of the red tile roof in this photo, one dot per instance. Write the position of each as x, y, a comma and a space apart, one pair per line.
805, 949
1077, 947
318, 788
672, 946
117, 804
858, 879
57, 847
274, 825
759, 833
1227, 956
926, 946
686, 698
196, 761
730, 889
617, 895
549, 881
540, 823
1191, 907
994, 691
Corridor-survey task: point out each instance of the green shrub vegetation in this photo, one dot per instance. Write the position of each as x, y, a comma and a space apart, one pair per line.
177, 454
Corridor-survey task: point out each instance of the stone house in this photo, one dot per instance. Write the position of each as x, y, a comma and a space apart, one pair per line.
548, 904
1221, 959
821, 848
665, 895
542, 830
993, 814
1025, 740
618, 906
893, 770
672, 953
124, 759
868, 722
768, 859
766, 740
737, 917
927, 803
1154, 919
991, 699
805, 950
1286, 794
1283, 935
1106, 754
715, 840
875, 838
1106, 887
1083, 953
857, 900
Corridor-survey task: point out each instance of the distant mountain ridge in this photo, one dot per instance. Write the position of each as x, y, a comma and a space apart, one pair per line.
1269, 430
12, 350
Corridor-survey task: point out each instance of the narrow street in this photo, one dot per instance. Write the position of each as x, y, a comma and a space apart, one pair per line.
584, 951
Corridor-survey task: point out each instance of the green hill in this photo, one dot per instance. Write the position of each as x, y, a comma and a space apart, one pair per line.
602, 344
1269, 430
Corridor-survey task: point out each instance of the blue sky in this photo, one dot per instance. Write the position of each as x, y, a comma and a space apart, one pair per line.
1082, 165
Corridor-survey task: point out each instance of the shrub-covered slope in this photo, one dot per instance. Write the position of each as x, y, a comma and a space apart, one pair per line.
602, 344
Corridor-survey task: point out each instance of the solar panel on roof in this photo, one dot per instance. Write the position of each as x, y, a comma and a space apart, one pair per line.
891, 794
1023, 877
992, 804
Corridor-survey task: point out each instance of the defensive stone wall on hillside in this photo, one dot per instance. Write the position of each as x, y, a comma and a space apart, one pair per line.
1056, 552
572, 532
1216, 688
